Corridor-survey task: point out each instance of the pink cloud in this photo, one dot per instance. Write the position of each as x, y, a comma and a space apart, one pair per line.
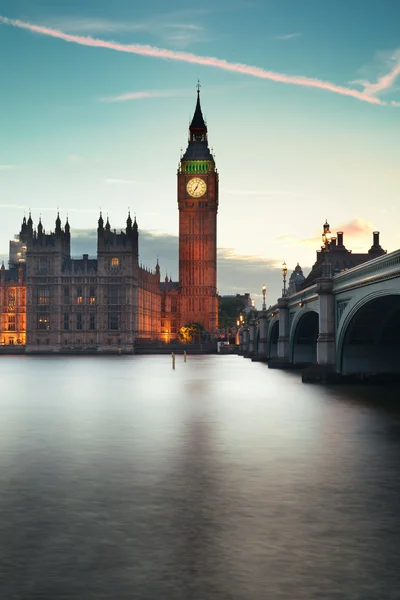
355, 228
385, 82
187, 57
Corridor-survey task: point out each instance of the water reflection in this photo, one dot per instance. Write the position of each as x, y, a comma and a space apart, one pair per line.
120, 478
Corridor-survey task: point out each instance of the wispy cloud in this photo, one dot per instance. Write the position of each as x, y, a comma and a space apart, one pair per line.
75, 159
107, 25
292, 193
8, 167
356, 227
288, 36
390, 63
121, 181
142, 94
147, 50
168, 27
52, 209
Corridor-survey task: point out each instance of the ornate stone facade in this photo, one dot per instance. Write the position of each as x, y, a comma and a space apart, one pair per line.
12, 306
86, 304
57, 303
198, 207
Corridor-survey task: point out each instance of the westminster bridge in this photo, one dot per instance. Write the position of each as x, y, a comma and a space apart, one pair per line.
345, 324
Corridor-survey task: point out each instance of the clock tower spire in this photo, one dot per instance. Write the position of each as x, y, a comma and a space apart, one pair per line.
198, 207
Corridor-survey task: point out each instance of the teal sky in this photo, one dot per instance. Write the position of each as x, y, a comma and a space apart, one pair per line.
84, 126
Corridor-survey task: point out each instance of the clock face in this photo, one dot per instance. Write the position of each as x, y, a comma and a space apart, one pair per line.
196, 187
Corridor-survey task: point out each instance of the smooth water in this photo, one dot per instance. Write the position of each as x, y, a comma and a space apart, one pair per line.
121, 478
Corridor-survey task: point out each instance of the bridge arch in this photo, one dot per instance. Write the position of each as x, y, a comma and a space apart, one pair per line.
273, 335
303, 338
369, 338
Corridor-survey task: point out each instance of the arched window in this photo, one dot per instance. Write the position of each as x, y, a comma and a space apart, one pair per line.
115, 262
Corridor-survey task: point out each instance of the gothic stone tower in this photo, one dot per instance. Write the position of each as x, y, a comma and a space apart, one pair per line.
198, 207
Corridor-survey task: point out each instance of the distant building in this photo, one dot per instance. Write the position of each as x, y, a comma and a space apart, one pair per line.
296, 280
17, 253
244, 298
50, 301
340, 258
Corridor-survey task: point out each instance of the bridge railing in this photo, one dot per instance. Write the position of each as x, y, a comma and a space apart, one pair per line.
386, 266
306, 295
298, 299
272, 310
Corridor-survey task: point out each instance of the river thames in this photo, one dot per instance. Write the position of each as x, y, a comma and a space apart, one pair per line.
121, 478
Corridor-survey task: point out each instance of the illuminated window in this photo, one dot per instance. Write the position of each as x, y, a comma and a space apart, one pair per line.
43, 322
11, 323
92, 296
43, 296
79, 294
115, 262
11, 298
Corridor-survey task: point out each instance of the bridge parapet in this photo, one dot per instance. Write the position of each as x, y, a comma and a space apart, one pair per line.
299, 298
378, 269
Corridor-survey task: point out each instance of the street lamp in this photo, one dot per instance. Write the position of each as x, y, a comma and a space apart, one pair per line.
264, 290
326, 240
284, 273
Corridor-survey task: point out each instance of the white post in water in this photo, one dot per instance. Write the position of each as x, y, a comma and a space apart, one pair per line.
184, 355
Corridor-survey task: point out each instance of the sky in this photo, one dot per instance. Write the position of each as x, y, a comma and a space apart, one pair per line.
301, 97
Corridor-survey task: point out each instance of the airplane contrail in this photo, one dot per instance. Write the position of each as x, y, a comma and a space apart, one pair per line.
218, 63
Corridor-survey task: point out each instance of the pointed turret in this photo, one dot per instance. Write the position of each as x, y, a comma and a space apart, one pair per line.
29, 225
108, 226
135, 237
129, 223
40, 227
58, 224
198, 128
22, 233
67, 227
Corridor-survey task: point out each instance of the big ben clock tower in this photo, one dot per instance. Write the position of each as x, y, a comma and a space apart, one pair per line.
198, 207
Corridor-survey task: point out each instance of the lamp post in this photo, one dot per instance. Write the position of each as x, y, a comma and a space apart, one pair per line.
264, 290
326, 240
284, 273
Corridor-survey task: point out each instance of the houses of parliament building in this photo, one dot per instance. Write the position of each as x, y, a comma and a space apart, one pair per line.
51, 302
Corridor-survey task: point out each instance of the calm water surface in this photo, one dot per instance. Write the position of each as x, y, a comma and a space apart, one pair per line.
120, 478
